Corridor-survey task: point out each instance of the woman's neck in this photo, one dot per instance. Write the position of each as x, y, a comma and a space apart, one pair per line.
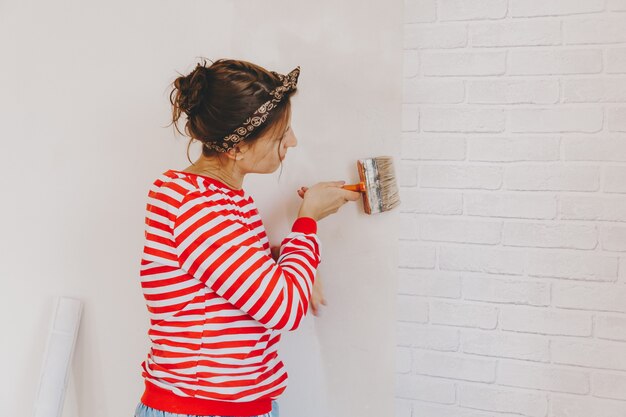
230, 177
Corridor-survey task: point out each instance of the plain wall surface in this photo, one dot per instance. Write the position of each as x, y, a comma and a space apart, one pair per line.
85, 109
514, 188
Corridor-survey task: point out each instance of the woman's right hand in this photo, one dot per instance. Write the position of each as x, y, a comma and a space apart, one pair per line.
324, 198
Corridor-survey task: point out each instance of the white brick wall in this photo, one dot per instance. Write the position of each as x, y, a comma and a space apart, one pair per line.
512, 280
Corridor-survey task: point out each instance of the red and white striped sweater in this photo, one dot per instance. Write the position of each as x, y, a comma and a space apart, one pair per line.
216, 298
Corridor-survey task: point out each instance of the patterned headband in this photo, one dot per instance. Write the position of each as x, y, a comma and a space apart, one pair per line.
289, 82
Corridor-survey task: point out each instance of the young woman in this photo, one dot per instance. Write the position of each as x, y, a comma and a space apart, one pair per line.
217, 294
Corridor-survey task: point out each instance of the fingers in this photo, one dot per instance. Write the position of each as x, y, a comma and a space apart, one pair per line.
330, 183
301, 191
315, 306
333, 183
346, 194
352, 195
314, 309
317, 296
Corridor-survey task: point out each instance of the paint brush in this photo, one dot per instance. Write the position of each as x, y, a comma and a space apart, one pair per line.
377, 183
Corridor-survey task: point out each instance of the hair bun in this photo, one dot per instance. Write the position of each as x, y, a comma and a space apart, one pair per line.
192, 89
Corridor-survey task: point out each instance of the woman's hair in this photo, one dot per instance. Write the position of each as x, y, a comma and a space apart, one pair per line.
219, 98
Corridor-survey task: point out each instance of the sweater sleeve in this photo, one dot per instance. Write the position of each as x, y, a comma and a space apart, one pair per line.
215, 247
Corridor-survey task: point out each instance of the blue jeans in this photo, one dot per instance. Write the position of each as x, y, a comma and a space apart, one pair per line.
143, 410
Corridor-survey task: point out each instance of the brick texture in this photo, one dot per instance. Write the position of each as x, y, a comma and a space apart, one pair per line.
512, 279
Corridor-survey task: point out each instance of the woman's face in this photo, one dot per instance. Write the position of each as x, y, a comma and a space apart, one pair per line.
268, 152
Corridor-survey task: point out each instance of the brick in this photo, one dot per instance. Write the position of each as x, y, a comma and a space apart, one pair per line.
407, 174
609, 385
462, 120
420, 90
430, 202
542, 235
454, 366
488, 398
403, 360
412, 309
516, 33
613, 238
440, 338
429, 283
459, 230
463, 315
410, 64
434, 147
425, 388
575, 119
482, 259
576, 406
436, 36
617, 119
416, 255
594, 148
594, 90
498, 149
542, 377
463, 63
610, 208
513, 92
432, 410
402, 407
408, 226
557, 177
506, 345
614, 179
420, 11
472, 9
616, 60
510, 205
611, 327
461, 176
506, 291
545, 321
597, 297
595, 30
591, 354
555, 61
410, 117
572, 265
531, 8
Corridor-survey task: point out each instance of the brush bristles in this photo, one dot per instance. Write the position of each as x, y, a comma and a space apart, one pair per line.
389, 194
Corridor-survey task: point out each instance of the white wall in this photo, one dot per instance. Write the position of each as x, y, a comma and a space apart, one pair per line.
84, 107
513, 248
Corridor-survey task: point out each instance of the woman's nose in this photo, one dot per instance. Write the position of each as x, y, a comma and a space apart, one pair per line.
294, 141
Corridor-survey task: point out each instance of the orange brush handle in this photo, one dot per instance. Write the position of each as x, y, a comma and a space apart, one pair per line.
360, 187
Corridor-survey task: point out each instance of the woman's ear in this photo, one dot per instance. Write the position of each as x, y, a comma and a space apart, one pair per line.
240, 150
235, 153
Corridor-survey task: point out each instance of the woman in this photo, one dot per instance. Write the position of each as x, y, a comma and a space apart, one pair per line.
218, 296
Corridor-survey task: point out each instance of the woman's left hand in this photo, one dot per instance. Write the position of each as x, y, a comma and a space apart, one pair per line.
317, 297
